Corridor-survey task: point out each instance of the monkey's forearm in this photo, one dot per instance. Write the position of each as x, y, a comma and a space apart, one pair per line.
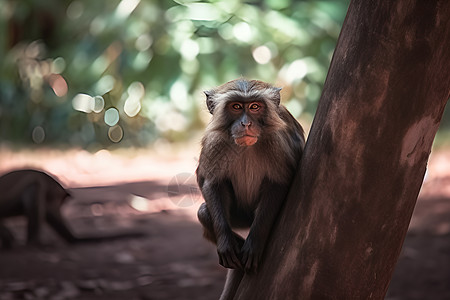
272, 198
262, 226
249, 154
217, 197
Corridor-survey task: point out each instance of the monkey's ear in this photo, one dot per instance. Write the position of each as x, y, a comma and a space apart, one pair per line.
209, 100
277, 95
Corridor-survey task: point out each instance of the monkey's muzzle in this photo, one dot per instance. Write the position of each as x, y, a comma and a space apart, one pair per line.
246, 140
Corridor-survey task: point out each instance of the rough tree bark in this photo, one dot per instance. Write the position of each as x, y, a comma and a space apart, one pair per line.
341, 231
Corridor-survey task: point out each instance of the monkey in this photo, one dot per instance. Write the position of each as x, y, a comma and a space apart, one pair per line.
249, 154
39, 197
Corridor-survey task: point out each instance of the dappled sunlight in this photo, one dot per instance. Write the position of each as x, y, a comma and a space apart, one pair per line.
161, 252
132, 72
262, 55
433, 206
126, 7
78, 168
107, 96
141, 180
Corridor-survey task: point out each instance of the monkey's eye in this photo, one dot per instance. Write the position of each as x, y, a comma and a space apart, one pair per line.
254, 107
236, 106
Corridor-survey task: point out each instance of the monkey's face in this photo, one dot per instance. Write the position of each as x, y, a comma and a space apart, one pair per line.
246, 116
247, 111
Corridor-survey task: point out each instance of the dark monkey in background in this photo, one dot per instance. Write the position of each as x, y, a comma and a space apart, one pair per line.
249, 155
39, 197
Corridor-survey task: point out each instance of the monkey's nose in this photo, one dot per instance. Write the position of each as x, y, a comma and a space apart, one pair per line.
246, 124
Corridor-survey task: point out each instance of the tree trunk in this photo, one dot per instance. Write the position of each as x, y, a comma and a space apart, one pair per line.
340, 232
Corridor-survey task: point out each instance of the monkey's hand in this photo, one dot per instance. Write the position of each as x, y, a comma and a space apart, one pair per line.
251, 256
228, 250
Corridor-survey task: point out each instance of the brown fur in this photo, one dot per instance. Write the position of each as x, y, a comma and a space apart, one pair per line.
33, 194
38, 197
275, 155
244, 183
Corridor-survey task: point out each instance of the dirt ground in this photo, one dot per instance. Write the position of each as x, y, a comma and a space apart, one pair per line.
155, 194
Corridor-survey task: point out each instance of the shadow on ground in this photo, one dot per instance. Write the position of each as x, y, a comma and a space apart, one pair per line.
423, 269
172, 261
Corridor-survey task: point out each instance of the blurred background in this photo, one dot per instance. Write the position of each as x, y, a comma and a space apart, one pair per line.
130, 73
107, 96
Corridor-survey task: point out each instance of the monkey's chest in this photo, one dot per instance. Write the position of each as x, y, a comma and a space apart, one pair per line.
246, 179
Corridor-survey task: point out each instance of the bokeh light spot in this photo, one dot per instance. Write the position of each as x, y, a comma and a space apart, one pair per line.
226, 31
58, 85
171, 120
58, 65
111, 116
115, 133
203, 12
126, 7
189, 49
179, 94
100, 64
38, 135
132, 107
105, 84
99, 104
262, 55
243, 32
295, 71
97, 26
142, 60
35, 49
83, 103
97, 209
139, 203
75, 10
136, 90
143, 42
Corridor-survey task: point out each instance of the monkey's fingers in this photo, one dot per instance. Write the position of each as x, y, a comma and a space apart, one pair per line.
230, 260
234, 262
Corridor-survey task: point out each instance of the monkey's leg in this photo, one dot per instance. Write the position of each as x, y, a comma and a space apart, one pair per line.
271, 200
6, 237
208, 228
33, 199
234, 277
205, 219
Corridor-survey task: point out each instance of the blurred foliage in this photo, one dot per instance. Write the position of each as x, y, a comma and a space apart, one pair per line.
131, 72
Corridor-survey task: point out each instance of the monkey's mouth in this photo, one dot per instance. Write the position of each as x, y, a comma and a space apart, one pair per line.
246, 140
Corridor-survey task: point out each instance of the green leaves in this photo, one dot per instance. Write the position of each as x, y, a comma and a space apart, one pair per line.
170, 50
